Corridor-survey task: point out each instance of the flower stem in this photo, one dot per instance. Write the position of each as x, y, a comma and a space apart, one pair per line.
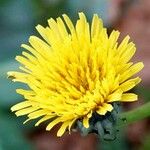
134, 115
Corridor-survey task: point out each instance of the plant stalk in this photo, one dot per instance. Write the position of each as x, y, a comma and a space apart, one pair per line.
132, 116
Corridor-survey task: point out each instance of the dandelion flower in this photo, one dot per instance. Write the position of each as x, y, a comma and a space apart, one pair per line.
73, 72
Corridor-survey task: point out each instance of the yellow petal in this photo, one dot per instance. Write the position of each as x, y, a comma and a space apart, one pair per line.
129, 84
108, 107
116, 96
123, 45
53, 123
21, 105
129, 97
38, 113
17, 76
25, 111
30, 49
40, 46
113, 38
128, 53
25, 92
86, 122
63, 128
44, 119
27, 121
97, 25
69, 23
42, 32
71, 123
131, 71
62, 28
101, 110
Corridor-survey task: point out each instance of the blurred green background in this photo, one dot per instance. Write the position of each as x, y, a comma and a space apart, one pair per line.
18, 19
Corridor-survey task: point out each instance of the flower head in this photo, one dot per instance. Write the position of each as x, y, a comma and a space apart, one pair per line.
74, 72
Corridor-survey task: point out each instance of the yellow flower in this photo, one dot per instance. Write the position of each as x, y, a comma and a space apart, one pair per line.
73, 72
